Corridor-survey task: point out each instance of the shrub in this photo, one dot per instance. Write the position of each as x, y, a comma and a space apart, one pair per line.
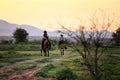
48, 67
20, 35
43, 72
65, 74
110, 68
7, 47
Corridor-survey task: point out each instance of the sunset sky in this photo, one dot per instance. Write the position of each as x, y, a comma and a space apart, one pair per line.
45, 14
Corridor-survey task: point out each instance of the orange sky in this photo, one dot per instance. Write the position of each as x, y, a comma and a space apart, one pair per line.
45, 14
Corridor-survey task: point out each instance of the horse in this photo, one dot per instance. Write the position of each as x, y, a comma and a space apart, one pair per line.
61, 46
45, 47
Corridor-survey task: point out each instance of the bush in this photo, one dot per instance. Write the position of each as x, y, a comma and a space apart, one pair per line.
20, 35
66, 74
7, 47
6, 42
48, 67
111, 70
43, 72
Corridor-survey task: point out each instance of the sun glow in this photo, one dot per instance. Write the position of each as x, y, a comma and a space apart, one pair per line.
46, 14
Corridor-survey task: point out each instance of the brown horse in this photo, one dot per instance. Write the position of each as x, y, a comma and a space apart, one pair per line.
61, 47
45, 47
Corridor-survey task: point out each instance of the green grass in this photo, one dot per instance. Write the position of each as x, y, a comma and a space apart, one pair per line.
6, 47
111, 60
5, 75
10, 57
4, 64
76, 65
24, 47
113, 50
20, 47
53, 71
50, 70
111, 67
27, 47
44, 60
25, 66
44, 71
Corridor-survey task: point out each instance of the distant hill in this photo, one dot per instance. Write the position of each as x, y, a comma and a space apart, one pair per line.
7, 29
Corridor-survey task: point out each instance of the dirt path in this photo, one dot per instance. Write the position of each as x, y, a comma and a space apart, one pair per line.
24, 74
29, 73
18, 63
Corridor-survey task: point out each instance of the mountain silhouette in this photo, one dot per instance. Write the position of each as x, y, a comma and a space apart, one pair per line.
7, 29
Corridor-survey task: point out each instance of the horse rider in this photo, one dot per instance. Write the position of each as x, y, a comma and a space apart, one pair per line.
61, 40
45, 36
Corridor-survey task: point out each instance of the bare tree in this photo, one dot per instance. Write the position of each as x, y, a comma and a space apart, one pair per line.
90, 42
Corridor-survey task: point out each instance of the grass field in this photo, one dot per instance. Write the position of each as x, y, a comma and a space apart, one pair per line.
46, 67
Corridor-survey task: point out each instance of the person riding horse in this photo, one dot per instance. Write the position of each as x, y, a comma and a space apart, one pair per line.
61, 44
61, 40
46, 45
44, 36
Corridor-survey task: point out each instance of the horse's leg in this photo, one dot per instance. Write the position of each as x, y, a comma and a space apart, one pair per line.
63, 51
48, 52
44, 52
41, 52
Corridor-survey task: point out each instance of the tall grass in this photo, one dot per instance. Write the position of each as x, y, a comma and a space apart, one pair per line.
10, 57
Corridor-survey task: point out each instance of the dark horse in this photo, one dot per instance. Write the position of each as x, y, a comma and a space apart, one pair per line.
45, 47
